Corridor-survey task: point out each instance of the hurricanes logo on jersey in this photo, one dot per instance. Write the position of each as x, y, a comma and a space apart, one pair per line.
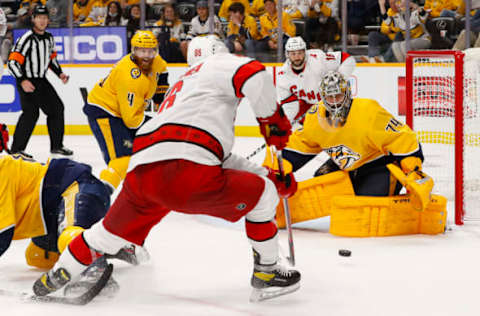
343, 156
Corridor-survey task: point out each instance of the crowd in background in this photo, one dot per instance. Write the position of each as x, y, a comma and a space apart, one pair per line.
376, 28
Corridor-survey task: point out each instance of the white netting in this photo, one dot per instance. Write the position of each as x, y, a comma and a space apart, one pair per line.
434, 121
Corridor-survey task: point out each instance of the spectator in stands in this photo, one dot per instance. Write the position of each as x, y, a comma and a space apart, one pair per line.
380, 42
297, 9
81, 10
419, 37
474, 24
128, 3
114, 15
96, 15
133, 23
224, 12
242, 31
435, 8
169, 31
24, 17
58, 12
200, 26
269, 25
322, 29
257, 8
359, 14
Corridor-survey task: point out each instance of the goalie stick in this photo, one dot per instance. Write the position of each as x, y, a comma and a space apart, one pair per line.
83, 299
84, 93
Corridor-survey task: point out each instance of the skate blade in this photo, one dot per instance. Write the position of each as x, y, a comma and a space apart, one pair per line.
259, 295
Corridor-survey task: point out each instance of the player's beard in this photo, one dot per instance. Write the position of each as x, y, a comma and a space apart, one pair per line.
298, 65
145, 64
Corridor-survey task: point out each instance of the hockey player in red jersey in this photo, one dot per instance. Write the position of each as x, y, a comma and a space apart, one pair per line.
297, 79
182, 161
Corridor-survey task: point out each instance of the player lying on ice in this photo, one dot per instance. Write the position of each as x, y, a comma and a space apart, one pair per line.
182, 161
371, 155
50, 203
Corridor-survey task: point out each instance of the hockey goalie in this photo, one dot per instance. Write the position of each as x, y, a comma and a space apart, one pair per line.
372, 156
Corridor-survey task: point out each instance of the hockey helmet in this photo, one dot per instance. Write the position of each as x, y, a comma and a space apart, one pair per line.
336, 96
202, 47
144, 39
295, 43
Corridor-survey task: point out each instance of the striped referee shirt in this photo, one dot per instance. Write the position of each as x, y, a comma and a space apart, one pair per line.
32, 55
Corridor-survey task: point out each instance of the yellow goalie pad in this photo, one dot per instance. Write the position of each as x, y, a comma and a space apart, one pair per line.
313, 198
367, 216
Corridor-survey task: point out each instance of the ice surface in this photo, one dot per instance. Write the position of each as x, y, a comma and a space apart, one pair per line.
202, 266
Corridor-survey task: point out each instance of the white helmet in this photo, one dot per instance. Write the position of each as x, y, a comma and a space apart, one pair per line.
202, 47
295, 43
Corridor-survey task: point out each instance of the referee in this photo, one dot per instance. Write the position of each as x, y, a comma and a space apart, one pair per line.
31, 56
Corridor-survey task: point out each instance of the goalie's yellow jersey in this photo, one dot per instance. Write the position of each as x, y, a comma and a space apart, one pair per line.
370, 133
20, 202
124, 93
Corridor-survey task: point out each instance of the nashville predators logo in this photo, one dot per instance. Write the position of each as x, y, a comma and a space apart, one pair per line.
343, 156
135, 73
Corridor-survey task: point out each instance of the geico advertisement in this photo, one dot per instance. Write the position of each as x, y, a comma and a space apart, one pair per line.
87, 45
379, 83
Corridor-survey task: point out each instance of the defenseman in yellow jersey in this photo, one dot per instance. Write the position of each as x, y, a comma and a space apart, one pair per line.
360, 137
115, 106
51, 204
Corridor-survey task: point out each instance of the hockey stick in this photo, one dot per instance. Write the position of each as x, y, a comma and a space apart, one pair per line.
84, 93
83, 299
286, 208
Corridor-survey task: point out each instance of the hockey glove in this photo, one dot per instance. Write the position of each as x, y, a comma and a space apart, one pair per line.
3, 137
276, 129
286, 187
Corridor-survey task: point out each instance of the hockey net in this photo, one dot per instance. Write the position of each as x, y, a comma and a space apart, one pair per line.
443, 95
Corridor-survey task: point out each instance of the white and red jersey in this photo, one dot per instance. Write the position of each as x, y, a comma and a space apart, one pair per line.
196, 119
297, 92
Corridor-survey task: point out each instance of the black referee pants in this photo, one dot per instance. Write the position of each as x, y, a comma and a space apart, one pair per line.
44, 97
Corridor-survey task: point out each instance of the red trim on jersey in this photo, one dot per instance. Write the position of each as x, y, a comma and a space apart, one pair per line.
179, 133
80, 250
244, 73
260, 231
344, 56
291, 98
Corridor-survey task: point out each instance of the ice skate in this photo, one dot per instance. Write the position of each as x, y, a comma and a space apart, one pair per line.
51, 281
89, 278
132, 254
270, 281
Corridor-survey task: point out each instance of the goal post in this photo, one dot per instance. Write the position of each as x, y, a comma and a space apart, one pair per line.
442, 97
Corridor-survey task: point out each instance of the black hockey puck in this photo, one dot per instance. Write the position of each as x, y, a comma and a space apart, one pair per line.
344, 252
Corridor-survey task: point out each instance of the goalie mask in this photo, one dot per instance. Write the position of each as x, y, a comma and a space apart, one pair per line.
336, 96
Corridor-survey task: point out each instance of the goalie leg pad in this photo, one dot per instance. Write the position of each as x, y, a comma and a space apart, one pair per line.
313, 198
366, 216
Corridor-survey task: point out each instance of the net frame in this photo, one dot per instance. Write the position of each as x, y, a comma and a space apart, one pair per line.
458, 58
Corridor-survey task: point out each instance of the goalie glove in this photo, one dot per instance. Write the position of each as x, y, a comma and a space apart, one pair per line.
3, 137
285, 187
276, 129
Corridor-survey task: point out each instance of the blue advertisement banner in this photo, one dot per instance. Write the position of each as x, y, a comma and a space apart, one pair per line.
87, 45
9, 97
